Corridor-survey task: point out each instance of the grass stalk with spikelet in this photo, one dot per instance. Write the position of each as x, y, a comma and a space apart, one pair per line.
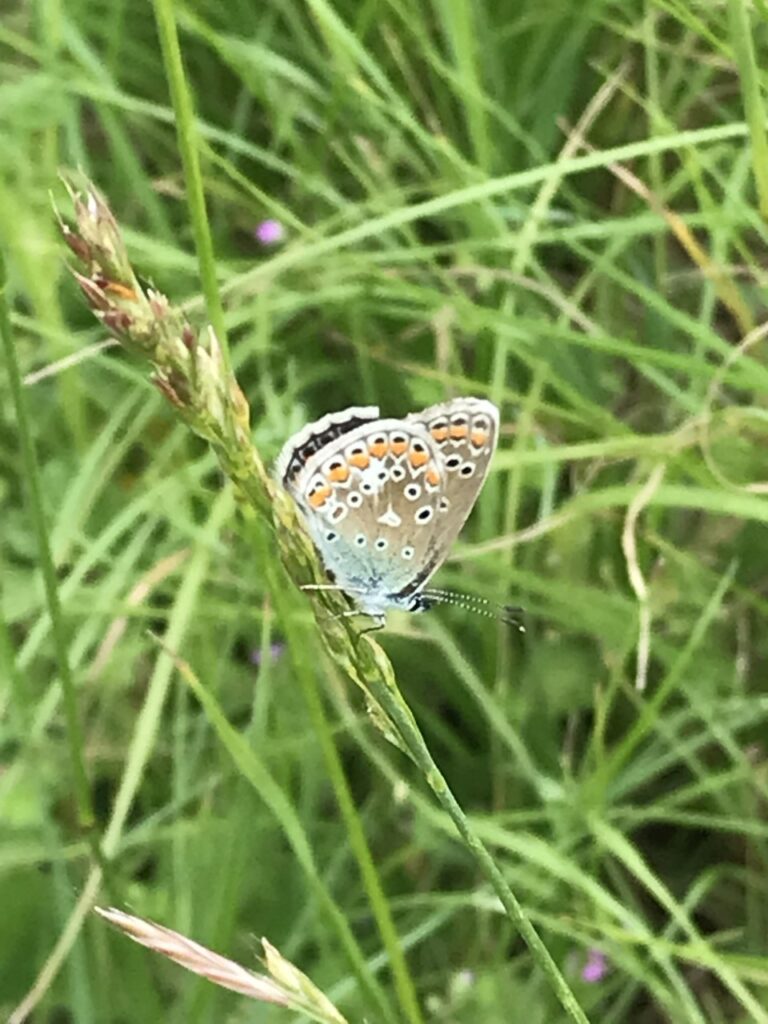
188, 368
284, 985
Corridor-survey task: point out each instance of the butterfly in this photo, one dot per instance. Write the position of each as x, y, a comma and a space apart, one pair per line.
384, 499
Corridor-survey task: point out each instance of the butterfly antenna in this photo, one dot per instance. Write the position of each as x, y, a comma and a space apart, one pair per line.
511, 614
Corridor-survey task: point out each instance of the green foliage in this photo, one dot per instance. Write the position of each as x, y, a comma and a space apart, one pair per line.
448, 230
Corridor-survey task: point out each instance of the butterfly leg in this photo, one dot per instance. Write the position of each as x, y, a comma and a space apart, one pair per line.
329, 586
377, 620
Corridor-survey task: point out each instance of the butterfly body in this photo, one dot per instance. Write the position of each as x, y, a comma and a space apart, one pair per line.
384, 499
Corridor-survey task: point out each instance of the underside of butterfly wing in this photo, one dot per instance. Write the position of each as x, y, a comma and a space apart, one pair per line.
315, 436
465, 432
372, 499
385, 498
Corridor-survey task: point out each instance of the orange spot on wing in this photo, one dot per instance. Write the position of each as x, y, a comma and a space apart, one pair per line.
319, 496
432, 477
478, 438
359, 460
418, 459
378, 450
458, 430
398, 447
439, 433
338, 475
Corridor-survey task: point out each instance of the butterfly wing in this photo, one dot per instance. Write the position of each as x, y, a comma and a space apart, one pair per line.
465, 431
311, 439
385, 498
372, 498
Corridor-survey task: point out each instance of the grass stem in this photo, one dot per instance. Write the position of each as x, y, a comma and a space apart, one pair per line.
40, 527
754, 107
186, 133
394, 705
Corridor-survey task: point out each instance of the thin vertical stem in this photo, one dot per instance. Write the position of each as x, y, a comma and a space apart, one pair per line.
377, 899
754, 108
186, 133
37, 513
655, 127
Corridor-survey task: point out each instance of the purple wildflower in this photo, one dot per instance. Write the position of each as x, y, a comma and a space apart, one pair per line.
596, 967
275, 650
268, 232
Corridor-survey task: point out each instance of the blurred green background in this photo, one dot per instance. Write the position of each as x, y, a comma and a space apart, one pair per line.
558, 206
